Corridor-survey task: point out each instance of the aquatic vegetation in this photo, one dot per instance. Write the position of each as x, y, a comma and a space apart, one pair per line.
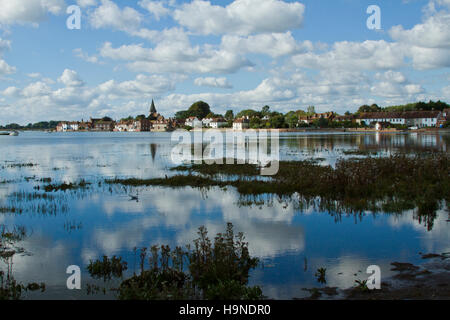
214, 169
321, 275
361, 285
70, 226
65, 186
21, 165
359, 152
10, 289
392, 184
205, 270
107, 268
11, 210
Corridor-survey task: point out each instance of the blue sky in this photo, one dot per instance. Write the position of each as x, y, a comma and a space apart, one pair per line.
232, 54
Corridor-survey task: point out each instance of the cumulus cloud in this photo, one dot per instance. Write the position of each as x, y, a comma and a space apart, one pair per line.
109, 15
70, 78
157, 8
84, 56
28, 11
367, 55
6, 68
176, 57
428, 43
86, 3
213, 82
240, 17
272, 44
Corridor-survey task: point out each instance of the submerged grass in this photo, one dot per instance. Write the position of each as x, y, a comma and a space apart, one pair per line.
65, 186
208, 270
392, 184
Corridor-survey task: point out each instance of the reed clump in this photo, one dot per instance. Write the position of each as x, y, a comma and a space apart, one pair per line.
65, 186
208, 269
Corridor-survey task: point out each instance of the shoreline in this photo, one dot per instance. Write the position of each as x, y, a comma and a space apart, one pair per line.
429, 280
302, 130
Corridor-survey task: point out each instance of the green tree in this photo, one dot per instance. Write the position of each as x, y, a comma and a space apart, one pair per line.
182, 114
265, 111
255, 123
229, 115
311, 110
248, 113
199, 109
277, 121
291, 118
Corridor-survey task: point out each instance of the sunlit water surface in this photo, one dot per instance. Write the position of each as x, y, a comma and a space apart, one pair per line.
75, 227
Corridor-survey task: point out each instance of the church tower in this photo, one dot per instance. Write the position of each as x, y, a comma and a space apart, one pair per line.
152, 108
153, 113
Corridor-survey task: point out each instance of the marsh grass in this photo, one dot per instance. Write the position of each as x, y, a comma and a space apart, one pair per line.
82, 184
391, 184
36, 203
10, 289
206, 269
20, 165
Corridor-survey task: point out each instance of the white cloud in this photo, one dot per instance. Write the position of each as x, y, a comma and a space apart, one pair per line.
240, 17
272, 44
157, 8
6, 68
433, 33
34, 75
367, 55
84, 56
427, 44
4, 45
109, 15
176, 57
36, 89
11, 92
213, 82
70, 78
86, 3
28, 11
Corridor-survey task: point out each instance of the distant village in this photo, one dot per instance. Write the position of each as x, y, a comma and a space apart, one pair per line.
200, 116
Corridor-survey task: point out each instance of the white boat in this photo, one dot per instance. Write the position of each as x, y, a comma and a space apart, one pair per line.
14, 133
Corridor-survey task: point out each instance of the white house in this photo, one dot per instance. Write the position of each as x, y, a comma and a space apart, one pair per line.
67, 126
217, 123
241, 124
206, 121
418, 119
193, 122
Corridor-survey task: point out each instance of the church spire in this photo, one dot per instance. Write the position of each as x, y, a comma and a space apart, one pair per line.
152, 108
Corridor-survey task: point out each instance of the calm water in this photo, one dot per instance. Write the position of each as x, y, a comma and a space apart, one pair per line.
77, 226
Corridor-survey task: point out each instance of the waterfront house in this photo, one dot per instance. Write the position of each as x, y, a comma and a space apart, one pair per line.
193, 122
68, 126
139, 125
123, 126
218, 123
443, 118
241, 124
206, 121
214, 122
161, 126
101, 125
418, 119
316, 116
